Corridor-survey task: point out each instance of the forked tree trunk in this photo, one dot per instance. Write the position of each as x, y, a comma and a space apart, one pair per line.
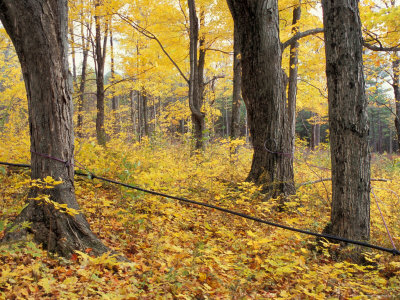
263, 90
348, 121
38, 30
196, 86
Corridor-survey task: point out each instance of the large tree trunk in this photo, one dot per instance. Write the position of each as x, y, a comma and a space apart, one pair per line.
396, 89
38, 30
196, 86
263, 90
348, 121
237, 86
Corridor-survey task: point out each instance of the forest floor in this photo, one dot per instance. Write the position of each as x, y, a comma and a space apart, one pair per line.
180, 251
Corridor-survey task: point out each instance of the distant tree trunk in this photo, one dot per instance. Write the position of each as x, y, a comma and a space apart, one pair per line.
348, 120
38, 30
263, 89
133, 96
237, 86
315, 132
81, 97
380, 134
396, 89
196, 86
293, 71
144, 112
114, 99
100, 63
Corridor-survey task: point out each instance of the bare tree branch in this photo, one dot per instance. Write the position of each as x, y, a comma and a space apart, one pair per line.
219, 50
151, 36
380, 47
301, 35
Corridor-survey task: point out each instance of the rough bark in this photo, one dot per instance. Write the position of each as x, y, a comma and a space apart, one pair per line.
38, 30
348, 121
237, 86
263, 89
196, 86
396, 89
100, 55
293, 71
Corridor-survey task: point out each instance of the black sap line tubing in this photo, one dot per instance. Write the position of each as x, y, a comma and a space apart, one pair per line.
225, 210
321, 235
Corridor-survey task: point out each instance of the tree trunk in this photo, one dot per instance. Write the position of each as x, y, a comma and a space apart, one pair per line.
140, 115
81, 98
100, 62
196, 86
133, 96
315, 132
38, 30
237, 85
263, 90
293, 71
114, 99
396, 89
348, 120
144, 112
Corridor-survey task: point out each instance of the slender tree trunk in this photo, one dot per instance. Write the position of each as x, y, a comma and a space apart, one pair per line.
114, 99
315, 132
237, 85
196, 86
348, 121
396, 89
38, 30
380, 134
293, 71
100, 62
81, 98
263, 90
144, 118
133, 112
140, 116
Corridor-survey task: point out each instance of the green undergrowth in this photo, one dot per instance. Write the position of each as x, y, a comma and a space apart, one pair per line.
180, 251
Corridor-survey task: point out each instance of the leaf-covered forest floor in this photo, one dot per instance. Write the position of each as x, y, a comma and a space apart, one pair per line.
179, 251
